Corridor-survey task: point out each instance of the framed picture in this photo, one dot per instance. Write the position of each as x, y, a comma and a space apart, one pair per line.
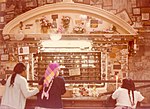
94, 23
4, 57
125, 16
136, 11
145, 16
23, 50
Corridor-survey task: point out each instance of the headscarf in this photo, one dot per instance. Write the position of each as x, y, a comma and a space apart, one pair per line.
50, 73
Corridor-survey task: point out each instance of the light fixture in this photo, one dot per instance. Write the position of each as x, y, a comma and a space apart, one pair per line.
55, 37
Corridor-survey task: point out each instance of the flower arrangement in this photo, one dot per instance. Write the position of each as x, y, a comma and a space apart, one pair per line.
45, 24
79, 30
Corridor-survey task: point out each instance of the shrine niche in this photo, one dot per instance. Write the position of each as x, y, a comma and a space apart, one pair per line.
83, 19
105, 33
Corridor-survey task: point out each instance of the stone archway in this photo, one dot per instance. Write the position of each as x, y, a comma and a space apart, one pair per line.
64, 7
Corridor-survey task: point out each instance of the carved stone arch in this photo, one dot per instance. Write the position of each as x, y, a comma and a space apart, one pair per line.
122, 26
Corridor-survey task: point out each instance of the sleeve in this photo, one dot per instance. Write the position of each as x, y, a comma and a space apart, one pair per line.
25, 89
41, 81
63, 88
140, 97
115, 94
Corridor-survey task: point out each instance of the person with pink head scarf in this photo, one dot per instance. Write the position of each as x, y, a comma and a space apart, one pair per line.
53, 87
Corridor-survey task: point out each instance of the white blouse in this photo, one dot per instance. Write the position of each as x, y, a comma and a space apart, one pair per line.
15, 96
122, 98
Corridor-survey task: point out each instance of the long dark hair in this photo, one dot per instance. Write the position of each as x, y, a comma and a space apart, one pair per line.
130, 86
18, 69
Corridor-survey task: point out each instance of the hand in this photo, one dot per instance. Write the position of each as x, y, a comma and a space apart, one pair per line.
40, 87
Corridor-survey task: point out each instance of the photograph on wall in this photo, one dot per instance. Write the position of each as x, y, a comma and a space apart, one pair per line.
4, 57
94, 23
136, 11
23, 50
145, 16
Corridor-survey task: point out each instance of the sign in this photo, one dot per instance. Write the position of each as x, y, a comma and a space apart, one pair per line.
74, 72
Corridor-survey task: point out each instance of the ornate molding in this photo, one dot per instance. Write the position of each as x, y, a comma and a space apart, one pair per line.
66, 7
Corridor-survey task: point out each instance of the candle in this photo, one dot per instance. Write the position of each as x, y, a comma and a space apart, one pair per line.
116, 81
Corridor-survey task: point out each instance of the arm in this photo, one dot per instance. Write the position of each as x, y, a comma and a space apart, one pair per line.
115, 94
63, 88
25, 89
140, 97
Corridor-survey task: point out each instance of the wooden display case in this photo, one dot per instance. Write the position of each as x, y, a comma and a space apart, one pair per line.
74, 65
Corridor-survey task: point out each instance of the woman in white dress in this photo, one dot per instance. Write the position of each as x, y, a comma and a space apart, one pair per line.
17, 90
126, 96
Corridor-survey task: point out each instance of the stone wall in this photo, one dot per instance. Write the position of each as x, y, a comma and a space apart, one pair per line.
135, 12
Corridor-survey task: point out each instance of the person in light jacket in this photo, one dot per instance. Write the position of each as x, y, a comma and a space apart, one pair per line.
126, 96
53, 88
17, 90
